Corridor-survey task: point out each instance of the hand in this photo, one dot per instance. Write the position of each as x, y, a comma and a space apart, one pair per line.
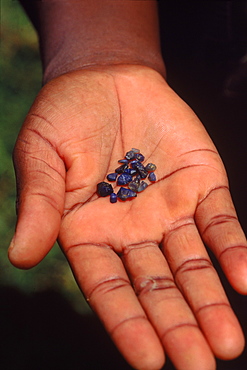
141, 264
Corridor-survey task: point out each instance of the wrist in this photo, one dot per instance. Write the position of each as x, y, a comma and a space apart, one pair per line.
61, 65
81, 34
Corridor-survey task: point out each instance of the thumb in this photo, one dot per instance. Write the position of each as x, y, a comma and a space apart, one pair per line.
40, 176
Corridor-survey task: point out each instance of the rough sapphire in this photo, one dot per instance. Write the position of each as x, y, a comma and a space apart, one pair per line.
150, 167
135, 183
133, 186
139, 157
104, 189
125, 194
143, 185
130, 155
130, 171
112, 176
135, 150
124, 179
122, 168
140, 169
133, 163
152, 177
113, 198
137, 179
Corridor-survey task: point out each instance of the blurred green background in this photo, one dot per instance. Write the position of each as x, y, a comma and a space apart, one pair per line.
20, 82
56, 340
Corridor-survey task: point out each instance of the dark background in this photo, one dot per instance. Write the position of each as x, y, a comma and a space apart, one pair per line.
202, 43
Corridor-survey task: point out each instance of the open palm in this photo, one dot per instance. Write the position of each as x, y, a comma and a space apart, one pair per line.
142, 263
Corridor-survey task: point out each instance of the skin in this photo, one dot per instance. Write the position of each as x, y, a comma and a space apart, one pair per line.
141, 264
79, 126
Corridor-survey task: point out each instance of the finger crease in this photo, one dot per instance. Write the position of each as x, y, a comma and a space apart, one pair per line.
189, 222
41, 117
47, 141
229, 249
140, 317
48, 165
108, 285
193, 265
179, 326
49, 200
44, 173
212, 305
146, 244
210, 192
82, 245
218, 220
24, 141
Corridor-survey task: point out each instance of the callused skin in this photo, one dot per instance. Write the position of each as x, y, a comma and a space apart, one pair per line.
141, 264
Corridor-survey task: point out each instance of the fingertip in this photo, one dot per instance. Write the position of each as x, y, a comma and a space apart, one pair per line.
230, 349
31, 244
223, 332
23, 256
22, 262
140, 346
239, 281
188, 349
36, 232
232, 341
234, 264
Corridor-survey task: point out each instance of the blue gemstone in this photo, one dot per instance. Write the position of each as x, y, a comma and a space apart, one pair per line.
140, 169
135, 150
139, 157
104, 189
152, 177
130, 155
137, 179
124, 179
125, 194
135, 183
143, 185
123, 161
134, 163
132, 194
130, 171
150, 167
133, 186
122, 168
112, 176
113, 198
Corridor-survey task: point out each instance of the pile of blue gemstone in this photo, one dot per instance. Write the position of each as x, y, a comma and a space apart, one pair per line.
131, 174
